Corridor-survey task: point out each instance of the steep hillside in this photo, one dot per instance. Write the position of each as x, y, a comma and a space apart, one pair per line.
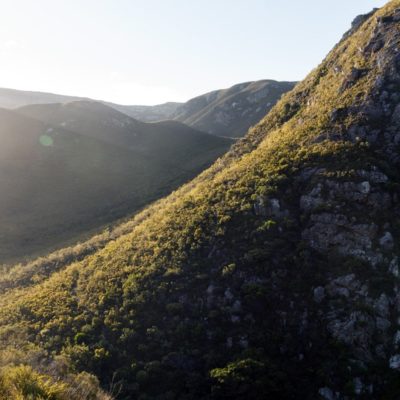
231, 112
274, 274
57, 183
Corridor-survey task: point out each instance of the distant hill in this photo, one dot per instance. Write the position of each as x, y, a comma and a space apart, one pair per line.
170, 141
226, 112
155, 113
231, 112
12, 98
60, 179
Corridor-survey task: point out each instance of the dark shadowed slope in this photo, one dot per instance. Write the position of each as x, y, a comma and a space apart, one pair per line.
170, 141
57, 183
273, 275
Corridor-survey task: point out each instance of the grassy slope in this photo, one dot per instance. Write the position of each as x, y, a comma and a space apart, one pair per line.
149, 304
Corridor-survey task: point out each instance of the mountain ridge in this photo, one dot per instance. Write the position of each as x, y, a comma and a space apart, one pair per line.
225, 112
272, 274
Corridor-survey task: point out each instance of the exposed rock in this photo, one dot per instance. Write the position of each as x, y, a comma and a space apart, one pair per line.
228, 294
381, 305
394, 267
383, 324
355, 329
328, 230
386, 241
394, 362
237, 307
365, 187
275, 207
354, 75
358, 385
259, 206
269, 207
243, 342
396, 339
319, 294
326, 393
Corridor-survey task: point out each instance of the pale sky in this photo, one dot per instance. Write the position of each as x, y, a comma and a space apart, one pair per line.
153, 51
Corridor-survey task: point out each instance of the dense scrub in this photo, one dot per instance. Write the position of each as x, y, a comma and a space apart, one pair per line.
272, 274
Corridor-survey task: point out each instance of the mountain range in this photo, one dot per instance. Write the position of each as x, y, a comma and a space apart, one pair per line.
227, 112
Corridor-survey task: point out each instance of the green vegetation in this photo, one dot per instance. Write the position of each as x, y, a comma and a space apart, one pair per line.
44, 380
208, 293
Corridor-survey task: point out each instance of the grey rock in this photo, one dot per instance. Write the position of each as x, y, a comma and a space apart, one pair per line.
386, 241
237, 306
355, 329
396, 339
380, 351
259, 206
319, 294
364, 187
358, 386
210, 288
330, 230
382, 324
228, 294
243, 342
373, 176
394, 267
275, 207
326, 393
381, 306
394, 362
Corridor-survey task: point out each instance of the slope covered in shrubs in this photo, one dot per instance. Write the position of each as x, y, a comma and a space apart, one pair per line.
272, 274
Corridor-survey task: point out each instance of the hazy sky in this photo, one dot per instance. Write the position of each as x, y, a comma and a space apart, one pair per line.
152, 51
